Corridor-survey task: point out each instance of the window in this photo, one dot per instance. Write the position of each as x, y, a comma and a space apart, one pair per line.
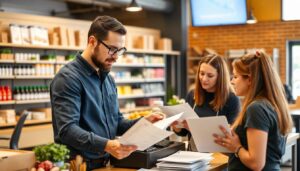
293, 63
290, 10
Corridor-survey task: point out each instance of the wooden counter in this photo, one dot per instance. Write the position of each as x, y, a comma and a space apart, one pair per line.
218, 163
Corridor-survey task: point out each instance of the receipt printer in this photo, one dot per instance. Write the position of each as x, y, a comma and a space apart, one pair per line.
148, 158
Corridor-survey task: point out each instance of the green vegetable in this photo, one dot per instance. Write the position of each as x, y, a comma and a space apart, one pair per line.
53, 152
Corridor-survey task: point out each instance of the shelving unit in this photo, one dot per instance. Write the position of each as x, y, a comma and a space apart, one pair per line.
192, 64
36, 128
27, 122
32, 101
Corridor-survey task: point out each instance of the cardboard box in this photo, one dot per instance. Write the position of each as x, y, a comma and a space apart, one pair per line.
47, 111
165, 44
71, 37
141, 42
12, 160
62, 34
4, 37
9, 115
15, 34
80, 38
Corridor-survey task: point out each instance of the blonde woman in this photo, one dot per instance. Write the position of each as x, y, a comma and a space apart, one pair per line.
213, 94
259, 133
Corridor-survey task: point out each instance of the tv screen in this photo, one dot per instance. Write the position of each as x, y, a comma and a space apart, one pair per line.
290, 10
218, 12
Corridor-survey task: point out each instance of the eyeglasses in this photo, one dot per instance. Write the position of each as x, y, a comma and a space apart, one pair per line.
112, 50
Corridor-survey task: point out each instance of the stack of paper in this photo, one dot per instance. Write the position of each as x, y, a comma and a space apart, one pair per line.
186, 161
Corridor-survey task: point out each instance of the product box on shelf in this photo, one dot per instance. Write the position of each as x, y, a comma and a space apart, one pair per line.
71, 37
47, 111
25, 35
4, 37
80, 38
62, 34
53, 38
165, 44
12, 160
15, 34
9, 115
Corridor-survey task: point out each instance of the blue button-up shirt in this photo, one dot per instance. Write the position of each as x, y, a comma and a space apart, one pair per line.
85, 109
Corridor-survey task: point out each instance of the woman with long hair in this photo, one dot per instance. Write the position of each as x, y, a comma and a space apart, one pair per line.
213, 94
258, 135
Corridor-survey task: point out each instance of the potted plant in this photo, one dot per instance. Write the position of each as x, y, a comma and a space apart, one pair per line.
56, 153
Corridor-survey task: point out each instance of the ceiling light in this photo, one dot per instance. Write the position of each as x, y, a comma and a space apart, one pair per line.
134, 7
251, 18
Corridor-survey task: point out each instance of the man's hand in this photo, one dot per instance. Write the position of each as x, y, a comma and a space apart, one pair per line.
154, 117
119, 151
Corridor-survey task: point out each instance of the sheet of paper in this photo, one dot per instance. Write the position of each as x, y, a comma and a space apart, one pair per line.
143, 134
202, 130
164, 123
187, 157
173, 110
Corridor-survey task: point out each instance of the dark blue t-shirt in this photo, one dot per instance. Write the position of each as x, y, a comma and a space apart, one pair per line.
262, 116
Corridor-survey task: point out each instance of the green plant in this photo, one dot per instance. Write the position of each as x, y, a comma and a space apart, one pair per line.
175, 100
53, 152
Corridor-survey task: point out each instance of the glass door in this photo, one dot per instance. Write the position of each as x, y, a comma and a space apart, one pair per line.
293, 61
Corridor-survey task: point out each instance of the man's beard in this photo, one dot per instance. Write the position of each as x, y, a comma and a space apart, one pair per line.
99, 64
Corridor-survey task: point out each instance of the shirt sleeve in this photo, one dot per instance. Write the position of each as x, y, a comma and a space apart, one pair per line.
257, 117
233, 108
65, 101
190, 100
123, 124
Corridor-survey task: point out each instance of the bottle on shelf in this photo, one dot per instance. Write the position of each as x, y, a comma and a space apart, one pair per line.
8, 93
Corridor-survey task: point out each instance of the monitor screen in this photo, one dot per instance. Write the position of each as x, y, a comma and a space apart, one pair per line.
218, 12
290, 10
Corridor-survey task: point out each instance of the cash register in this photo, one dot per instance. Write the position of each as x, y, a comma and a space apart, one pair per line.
148, 158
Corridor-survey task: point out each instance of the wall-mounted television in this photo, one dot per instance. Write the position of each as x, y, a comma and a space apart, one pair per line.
218, 12
290, 10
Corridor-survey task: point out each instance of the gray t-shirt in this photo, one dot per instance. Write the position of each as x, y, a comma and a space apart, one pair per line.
261, 115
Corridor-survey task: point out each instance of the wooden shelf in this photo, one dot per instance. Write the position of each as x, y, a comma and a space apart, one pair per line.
32, 101
35, 62
8, 102
7, 61
34, 77
162, 52
128, 65
141, 80
155, 94
129, 80
149, 80
41, 47
138, 108
28, 122
7, 77
155, 65
131, 96
141, 95
62, 62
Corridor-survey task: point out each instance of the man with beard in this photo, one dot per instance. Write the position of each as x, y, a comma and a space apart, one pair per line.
85, 108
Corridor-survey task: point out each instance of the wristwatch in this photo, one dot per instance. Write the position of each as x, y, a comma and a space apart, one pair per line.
236, 154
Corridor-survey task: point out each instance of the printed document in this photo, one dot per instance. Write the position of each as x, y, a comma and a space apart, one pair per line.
186, 108
202, 130
164, 123
143, 134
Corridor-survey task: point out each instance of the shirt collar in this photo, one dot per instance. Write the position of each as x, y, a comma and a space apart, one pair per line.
87, 68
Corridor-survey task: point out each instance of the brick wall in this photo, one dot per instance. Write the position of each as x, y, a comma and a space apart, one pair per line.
268, 35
